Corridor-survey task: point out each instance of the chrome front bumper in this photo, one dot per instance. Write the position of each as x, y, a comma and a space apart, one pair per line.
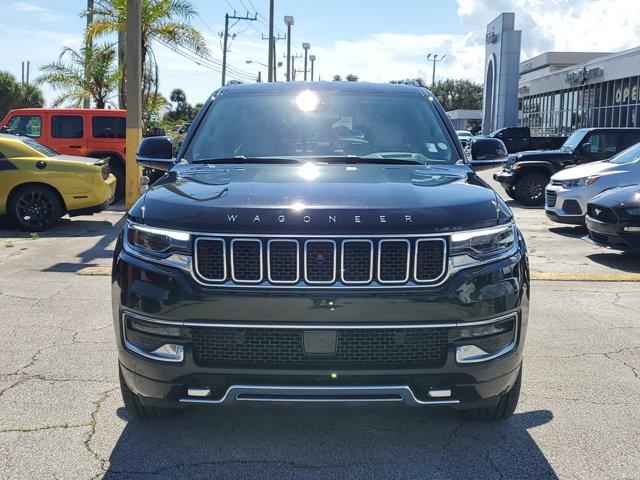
322, 394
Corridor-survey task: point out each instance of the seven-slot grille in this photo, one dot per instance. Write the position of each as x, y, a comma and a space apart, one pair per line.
320, 262
284, 348
604, 214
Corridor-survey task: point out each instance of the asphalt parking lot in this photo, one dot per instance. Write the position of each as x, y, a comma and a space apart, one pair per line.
61, 415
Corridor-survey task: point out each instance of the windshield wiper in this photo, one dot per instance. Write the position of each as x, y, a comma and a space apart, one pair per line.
241, 159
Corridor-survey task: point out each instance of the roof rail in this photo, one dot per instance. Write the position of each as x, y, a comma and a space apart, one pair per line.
233, 82
413, 83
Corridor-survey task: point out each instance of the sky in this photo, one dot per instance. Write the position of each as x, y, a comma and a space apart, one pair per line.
378, 40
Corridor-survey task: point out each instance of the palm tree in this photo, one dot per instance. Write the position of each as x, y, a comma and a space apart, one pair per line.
69, 78
165, 21
17, 95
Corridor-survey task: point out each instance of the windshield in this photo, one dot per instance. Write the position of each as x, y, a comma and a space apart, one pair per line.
574, 140
47, 152
332, 124
629, 155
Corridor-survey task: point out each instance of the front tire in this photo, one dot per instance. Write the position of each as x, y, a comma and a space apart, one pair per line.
505, 407
530, 189
35, 208
135, 407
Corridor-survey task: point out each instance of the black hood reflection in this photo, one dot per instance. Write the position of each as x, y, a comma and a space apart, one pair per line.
315, 198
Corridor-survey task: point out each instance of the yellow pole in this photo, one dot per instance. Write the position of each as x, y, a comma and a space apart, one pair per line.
133, 76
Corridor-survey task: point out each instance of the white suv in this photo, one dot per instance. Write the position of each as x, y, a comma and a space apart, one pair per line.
567, 195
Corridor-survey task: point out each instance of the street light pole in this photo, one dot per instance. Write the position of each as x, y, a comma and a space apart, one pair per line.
313, 60
434, 59
288, 20
306, 47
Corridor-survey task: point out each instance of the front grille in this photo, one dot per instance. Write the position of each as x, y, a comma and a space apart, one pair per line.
320, 262
430, 258
357, 261
210, 258
284, 348
604, 214
393, 261
551, 198
246, 264
283, 261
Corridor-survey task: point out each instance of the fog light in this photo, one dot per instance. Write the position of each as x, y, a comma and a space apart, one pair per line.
169, 351
481, 343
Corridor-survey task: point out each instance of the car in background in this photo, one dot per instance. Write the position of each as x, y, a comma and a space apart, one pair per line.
613, 218
570, 190
38, 186
519, 139
464, 136
80, 132
526, 174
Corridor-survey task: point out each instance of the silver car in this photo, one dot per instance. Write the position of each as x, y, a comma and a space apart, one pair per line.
567, 195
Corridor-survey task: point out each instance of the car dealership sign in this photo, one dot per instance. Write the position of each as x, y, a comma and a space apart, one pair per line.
580, 77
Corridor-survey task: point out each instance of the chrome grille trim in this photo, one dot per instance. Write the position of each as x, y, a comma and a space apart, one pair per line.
259, 242
323, 282
445, 258
283, 240
360, 282
408, 262
224, 258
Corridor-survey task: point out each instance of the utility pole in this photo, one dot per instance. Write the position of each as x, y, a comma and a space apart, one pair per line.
313, 60
272, 64
134, 100
271, 42
225, 36
288, 20
28, 68
306, 47
434, 59
87, 101
122, 46
259, 76
293, 66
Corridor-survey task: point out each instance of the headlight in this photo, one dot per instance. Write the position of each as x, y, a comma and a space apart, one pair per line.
468, 248
580, 182
171, 247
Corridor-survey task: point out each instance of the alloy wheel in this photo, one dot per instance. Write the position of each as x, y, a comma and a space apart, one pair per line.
35, 208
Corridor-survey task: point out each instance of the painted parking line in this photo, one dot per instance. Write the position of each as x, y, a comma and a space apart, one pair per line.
586, 277
95, 271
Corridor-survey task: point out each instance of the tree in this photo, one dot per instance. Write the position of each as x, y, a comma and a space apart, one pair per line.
453, 94
458, 94
351, 78
337, 78
165, 21
183, 110
14, 95
69, 77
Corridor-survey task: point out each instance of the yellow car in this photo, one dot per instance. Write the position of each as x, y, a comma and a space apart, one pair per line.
38, 186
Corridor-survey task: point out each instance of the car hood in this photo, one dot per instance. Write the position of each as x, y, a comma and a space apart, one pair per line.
626, 197
581, 171
542, 155
320, 199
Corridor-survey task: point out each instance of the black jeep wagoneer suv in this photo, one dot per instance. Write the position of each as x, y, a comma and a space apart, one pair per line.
319, 242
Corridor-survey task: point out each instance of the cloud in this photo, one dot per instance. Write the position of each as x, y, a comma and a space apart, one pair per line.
37, 11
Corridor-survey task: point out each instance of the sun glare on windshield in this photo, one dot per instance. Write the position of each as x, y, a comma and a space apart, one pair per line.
307, 101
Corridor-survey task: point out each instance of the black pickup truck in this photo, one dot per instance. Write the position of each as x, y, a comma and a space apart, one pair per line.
321, 242
526, 174
519, 139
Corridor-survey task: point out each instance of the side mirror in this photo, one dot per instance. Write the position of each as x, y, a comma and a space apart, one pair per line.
487, 153
156, 153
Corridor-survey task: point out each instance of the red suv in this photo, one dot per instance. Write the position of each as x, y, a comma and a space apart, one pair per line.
75, 131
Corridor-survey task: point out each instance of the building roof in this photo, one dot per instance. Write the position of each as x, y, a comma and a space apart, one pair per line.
558, 58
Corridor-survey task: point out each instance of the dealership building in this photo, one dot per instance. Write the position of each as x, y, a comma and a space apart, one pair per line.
559, 92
